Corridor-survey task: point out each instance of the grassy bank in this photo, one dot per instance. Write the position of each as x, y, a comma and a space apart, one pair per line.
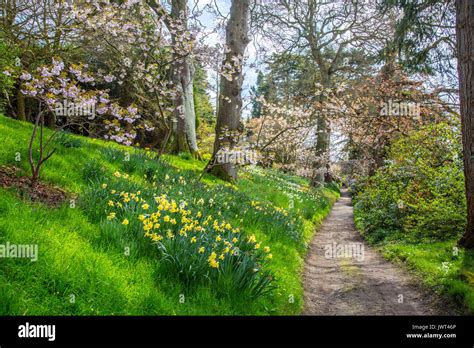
91, 264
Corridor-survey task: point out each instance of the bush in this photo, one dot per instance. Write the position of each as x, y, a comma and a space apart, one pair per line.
420, 192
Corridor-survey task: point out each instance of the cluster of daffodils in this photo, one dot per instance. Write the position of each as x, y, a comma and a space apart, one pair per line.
280, 210
267, 208
195, 238
174, 225
214, 239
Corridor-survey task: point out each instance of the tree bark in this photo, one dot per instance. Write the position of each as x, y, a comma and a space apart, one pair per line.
230, 96
465, 50
183, 75
21, 113
322, 138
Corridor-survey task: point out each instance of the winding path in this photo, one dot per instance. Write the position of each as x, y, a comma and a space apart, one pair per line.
335, 284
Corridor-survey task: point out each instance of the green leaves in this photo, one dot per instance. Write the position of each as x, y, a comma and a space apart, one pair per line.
420, 193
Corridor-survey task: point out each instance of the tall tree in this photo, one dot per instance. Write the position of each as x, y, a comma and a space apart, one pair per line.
465, 50
412, 29
257, 91
328, 31
182, 71
202, 100
183, 74
229, 125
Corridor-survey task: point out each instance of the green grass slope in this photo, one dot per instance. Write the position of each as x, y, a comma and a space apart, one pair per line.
91, 265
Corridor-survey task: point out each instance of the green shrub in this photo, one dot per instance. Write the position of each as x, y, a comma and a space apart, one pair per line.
420, 192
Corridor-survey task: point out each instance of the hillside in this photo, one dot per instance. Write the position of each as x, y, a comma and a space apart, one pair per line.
96, 258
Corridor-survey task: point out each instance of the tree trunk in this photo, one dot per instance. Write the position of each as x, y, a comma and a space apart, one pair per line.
322, 141
183, 75
230, 98
465, 50
21, 113
50, 120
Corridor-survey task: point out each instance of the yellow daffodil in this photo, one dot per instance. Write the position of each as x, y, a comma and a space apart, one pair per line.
156, 237
212, 260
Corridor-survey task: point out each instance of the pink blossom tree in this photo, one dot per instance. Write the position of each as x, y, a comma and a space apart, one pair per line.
60, 90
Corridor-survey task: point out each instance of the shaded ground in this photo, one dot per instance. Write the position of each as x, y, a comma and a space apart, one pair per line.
364, 284
44, 193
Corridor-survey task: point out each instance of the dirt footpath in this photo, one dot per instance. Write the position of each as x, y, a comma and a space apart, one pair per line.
344, 276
